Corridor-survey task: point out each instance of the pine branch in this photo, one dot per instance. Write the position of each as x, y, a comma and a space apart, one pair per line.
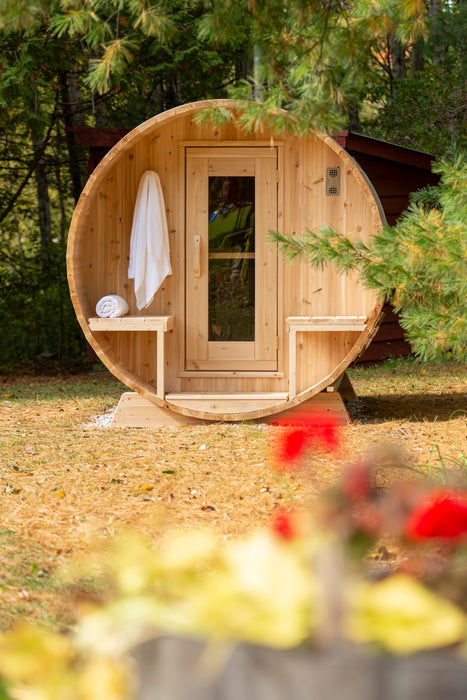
420, 265
324, 247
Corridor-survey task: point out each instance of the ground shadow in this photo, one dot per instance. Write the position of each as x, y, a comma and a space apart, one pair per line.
410, 407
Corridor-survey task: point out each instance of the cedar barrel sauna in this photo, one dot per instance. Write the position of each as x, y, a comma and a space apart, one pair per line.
234, 331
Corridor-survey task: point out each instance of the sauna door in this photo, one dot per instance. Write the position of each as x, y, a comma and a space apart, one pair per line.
231, 268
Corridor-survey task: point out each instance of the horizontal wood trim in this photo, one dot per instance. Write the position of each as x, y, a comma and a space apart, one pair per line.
328, 327
326, 323
253, 143
226, 409
240, 365
231, 256
230, 373
235, 396
225, 152
132, 323
227, 167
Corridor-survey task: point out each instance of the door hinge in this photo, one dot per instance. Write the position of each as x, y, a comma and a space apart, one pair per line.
277, 342
277, 176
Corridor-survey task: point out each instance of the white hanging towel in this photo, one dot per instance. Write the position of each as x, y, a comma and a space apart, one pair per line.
149, 243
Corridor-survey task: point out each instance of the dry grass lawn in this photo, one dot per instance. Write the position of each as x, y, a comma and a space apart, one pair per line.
66, 482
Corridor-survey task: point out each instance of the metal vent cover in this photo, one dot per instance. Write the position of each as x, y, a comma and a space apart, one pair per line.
333, 181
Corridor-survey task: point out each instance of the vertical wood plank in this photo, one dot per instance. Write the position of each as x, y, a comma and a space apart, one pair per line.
160, 365
266, 259
196, 323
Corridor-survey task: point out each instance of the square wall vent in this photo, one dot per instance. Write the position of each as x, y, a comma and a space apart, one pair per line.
333, 182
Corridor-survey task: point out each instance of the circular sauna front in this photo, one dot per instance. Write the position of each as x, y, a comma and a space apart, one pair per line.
214, 323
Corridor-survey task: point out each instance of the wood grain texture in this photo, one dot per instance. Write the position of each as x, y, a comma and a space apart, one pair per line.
98, 256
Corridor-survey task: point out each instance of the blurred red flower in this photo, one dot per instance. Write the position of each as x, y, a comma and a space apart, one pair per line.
357, 482
443, 514
284, 524
301, 431
290, 445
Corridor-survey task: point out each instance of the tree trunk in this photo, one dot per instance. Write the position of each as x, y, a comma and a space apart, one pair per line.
243, 66
398, 59
43, 201
172, 96
418, 58
101, 114
439, 50
354, 123
72, 111
434, 8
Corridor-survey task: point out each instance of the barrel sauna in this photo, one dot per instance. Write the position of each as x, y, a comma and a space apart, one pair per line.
236, 331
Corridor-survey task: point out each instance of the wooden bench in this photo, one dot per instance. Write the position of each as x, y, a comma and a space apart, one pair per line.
306, 324
160, 324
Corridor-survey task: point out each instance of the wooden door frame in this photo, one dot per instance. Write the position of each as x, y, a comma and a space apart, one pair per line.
203, 353
183, 145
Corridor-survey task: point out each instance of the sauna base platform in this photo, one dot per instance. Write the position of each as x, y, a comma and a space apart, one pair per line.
134, 411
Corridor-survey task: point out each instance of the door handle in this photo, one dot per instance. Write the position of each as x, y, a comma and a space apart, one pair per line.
196, 256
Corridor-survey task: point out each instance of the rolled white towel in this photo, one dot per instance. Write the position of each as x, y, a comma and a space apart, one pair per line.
111, 306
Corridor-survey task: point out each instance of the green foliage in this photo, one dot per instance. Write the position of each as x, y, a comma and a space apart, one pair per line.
420, 265
35, 201
315, 59
136, 50
294, 64
99, 25
52, 59
426, 109
36, 312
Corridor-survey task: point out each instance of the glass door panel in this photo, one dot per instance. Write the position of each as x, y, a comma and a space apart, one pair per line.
231, 255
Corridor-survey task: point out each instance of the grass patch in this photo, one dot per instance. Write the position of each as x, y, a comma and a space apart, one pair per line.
407, 376
28, 588
98, 386
67, 484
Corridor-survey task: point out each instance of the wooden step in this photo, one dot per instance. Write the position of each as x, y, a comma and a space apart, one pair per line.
221, 403
234, 396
